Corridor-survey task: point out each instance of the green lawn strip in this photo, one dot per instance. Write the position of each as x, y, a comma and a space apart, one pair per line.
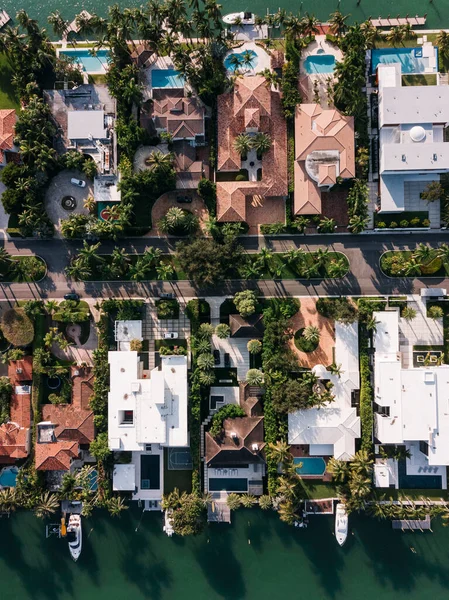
314, 489
445, 307
7, 274
428, 348
407, 255
290, 272
8, 97
82, 306
417, 494
181, 479
407, 215
419, 79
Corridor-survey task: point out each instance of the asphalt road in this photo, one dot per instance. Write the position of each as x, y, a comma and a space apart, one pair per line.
363, 252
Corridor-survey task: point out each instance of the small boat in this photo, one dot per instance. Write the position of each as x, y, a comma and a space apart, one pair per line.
341, 524
243, 18
75, 536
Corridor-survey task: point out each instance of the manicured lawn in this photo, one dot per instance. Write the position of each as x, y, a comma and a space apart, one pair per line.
412, 494
8, 97
81, 306
419, 79
315, 489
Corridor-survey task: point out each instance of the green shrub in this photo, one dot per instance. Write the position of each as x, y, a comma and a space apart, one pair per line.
366, 402
303, 344
435, 312
426, 223
167, 309
415, 222
403, 223
229, 411
393, 225
381, 225
56, 399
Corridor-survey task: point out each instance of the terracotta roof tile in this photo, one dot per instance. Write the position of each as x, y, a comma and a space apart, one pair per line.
7, 124
182, 117
55, 456
14, 441
229, 449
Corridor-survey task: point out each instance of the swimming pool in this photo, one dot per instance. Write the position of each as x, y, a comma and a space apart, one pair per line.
8, 477
410, 59
247, 60
311, 465
166, 78
319, 63
217, 484
90, 64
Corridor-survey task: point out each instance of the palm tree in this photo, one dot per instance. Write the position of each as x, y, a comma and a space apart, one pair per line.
159, 160
265, 502
8, 500
370, 33
337, 23
89, 253
311, 333
254, 346
372, 324
412, 267
287, 486
335, 369
164, 271
152, 254
247, 58
395, 36
59, 25
51, 306
235, 62
261, 142
339, 469
207, 377
254, 377
424, 253
116, 505
360, 486
233, 501
242, 144
138, 270
202, 346
408, 313
248, 500
321, 257
361, 462
205, 362
337, 267
222, 331
310, 25
287, 512
280, 451
357, 224
443, 251
78, 270
443, 43
265, 257
46, 505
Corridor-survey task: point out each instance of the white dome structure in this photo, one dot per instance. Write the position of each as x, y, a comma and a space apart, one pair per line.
417, 133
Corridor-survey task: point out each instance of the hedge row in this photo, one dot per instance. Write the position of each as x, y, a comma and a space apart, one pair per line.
366, 399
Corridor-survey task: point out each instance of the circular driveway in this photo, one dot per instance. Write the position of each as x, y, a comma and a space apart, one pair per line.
59, 187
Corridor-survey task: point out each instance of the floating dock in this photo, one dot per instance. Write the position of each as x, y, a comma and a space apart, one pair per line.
396, 21
412, 525
4, 18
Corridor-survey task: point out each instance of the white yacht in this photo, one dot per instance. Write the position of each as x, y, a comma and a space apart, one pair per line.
75, 536
247, 18
341, 524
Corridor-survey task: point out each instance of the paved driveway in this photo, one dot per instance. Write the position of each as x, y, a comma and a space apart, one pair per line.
59, 187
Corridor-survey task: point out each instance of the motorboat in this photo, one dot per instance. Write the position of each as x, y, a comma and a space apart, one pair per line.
75, 535
246, 18
341, 524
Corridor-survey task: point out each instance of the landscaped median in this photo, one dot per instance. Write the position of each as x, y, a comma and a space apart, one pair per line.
120, 266
21, 269
424, 261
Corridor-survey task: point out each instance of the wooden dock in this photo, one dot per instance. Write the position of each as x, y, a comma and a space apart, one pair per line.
396, 21
4, 18
73, 26
412, 525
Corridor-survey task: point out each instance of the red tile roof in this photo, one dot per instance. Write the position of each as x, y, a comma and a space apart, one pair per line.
182, 117
318, 130
21, 370
73, 425
251, 104
7, 124
14, 441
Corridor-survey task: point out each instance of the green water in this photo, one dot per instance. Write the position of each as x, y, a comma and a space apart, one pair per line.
437, 10
280, 563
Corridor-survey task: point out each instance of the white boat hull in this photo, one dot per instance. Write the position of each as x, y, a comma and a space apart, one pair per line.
231, 17
341, 524
74, 527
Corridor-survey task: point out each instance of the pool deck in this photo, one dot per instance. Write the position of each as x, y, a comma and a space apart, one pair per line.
162, 63
263, 62
319, 46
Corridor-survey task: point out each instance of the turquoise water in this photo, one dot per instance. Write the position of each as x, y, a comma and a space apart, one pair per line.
410, 59
166, 78
280, 562
310, 465
8, 477
359, 10
243, 65
319, 63
90, 64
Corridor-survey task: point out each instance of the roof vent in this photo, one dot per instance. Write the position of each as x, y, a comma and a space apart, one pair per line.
19, 371
122, 370
234, 435
255, 447
404, 158
417, 133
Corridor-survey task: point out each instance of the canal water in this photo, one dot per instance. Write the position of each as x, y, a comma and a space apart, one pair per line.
255, 558
437, 10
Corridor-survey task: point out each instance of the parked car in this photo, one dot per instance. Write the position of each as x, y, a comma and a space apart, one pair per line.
171, 335
217, 357
227, 360
166, 295
78, 182
184, 199
72, 296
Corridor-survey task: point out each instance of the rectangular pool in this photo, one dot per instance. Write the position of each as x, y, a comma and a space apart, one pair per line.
410, 59
310, 465
89, 63
228, 485
166, 78
319, 63
150, 472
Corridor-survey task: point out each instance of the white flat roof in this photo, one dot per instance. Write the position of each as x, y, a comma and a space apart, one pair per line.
158, 403
124, 478
125, 331
415, 157
413, 104
386, 336
336, 425
83, 124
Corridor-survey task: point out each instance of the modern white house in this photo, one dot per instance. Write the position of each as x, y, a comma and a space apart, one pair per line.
411, 142
411, 407
332, 430
147, 412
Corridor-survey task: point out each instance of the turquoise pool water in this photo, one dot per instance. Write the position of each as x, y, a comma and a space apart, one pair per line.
311, 465
319, 63
410, 59
241, 56
8, 477
166, 78
90, 64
